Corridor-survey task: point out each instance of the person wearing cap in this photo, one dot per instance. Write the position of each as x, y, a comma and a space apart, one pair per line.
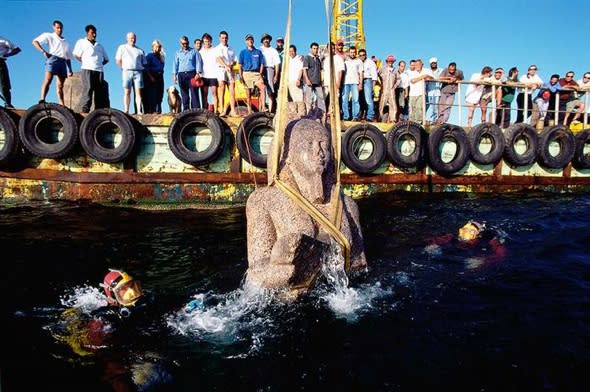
389, 83
433, 92
271, 69
475, 244
449, 87
187, 66
281, 48
532, 81
252, 64
507, 93
340, 49
584, 86
312, 77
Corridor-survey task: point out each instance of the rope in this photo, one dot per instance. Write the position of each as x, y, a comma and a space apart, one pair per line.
333, 223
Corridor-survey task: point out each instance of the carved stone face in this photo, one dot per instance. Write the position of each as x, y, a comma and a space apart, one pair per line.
310, 147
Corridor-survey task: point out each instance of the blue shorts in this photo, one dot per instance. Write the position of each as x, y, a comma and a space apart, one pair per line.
56, 66
132, 77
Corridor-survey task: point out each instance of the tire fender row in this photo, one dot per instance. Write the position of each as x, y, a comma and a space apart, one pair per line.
364, 146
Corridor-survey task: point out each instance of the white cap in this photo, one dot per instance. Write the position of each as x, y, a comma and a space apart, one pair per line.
433, 60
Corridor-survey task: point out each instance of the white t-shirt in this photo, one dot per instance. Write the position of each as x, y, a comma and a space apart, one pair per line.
474, 91
131, 57
370, 70
417, 88
526, 79
295, 68
227, 53
93, 56
210, 66
56, 46
338, 66
271, 56
354, 67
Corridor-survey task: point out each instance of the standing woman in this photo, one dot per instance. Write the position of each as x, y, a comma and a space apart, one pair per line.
209, 55
154, 78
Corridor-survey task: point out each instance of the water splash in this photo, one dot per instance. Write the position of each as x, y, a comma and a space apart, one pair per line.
346, 302
86, 298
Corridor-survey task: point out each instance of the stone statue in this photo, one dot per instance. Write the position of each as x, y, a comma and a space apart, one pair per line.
285, 244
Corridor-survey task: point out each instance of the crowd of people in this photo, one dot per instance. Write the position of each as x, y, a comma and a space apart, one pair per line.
368, 90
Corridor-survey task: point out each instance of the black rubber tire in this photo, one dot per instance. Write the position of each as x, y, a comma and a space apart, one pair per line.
529, 134
459, 137
350, 157
567, 147
581, 160
95, 146
494, 133
396, 135
11, 144
244, 134
32, 135
183, 123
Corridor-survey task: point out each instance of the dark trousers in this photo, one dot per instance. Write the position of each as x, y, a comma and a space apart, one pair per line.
5, 83
188, 93
503, 115
154, 92
520, 115
94, 86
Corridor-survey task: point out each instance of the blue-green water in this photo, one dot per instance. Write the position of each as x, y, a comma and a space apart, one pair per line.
413, 321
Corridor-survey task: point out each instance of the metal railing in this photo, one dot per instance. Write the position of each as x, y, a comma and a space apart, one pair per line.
459, 96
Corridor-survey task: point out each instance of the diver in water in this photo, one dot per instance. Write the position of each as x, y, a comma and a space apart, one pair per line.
107, 331
477, 244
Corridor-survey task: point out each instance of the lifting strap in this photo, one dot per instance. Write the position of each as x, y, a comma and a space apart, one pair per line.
332, 224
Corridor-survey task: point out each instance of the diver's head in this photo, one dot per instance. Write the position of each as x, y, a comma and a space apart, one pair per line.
120, 288
471, 230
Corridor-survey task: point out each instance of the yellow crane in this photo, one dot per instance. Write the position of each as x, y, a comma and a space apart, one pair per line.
347, 23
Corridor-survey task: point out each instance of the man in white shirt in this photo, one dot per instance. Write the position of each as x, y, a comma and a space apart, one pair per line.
58, 57
353, 85
226, 58
369, 81
417, 90
433, 92
131, 59
93, 57
295, 84
533, 82
271, 69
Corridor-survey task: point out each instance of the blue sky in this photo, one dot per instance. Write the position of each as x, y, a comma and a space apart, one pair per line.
503, 33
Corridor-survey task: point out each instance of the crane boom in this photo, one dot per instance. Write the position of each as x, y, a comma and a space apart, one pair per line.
347, 23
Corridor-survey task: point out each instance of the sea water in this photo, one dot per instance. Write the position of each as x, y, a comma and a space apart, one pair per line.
413, 320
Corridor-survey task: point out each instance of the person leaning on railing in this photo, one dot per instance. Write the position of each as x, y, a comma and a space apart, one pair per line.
508, 90
449, 78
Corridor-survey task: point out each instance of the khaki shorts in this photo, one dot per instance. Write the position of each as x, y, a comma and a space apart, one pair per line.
252, 78
572, 105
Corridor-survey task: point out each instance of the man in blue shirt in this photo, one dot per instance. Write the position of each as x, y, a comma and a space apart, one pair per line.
252, 64
187, 70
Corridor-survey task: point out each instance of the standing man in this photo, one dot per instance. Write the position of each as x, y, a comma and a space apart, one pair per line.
389, 85
7, 49
532, 82
312, 76
417, 89
327, 74
131, 59
450, 76
369, 81
58, 59
251, 67
93, 57
433, 92
353, 85
226, 58
187, 66
271, 69
297, 106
